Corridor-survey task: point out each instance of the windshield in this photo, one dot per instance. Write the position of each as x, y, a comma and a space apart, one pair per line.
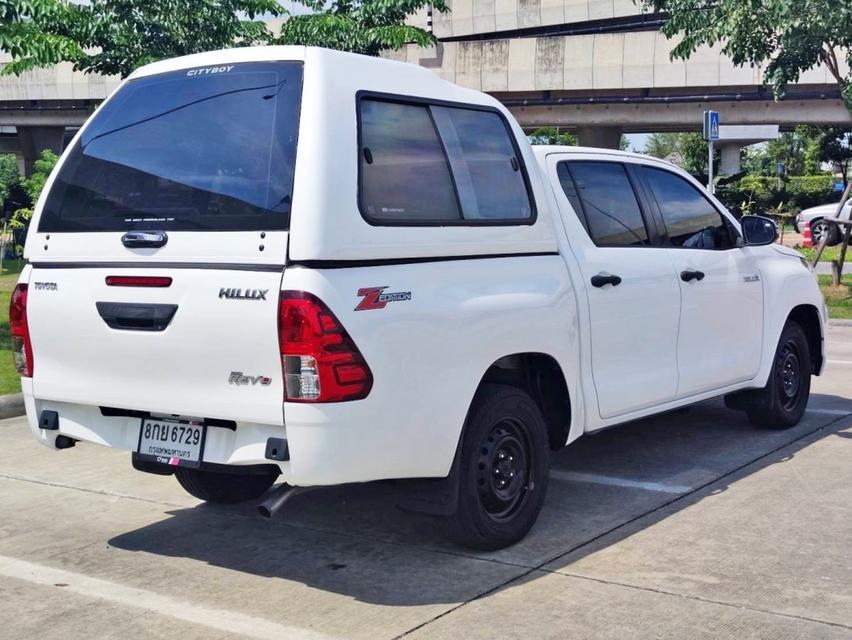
210, 148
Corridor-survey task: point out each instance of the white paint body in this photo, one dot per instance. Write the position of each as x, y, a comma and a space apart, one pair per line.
652, 344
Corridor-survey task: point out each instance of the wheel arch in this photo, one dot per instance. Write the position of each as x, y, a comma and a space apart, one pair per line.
540, 375
807, 316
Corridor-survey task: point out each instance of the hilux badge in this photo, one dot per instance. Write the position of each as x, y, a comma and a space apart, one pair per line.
238, 294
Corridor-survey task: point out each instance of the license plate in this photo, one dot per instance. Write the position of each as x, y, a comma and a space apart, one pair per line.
174, 442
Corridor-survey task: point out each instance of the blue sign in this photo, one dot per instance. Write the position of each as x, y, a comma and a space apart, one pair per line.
711, 125
838, 186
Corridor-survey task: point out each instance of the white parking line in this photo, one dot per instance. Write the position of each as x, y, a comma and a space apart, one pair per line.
831, 412
847, 362
593, 478
219, 619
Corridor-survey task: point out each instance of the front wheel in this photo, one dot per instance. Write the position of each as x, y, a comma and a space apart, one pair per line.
781, 403
822, 227
503, 471
224, 488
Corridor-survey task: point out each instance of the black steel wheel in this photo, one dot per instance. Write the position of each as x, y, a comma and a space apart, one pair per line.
782, 402
503, 470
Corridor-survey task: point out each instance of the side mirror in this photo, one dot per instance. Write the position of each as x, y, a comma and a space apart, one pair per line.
758, 231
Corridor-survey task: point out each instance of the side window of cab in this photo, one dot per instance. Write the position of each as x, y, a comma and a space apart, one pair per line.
691, 221
428, 164
602, 195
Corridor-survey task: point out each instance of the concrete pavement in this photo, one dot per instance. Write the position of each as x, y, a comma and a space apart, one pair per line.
691, 524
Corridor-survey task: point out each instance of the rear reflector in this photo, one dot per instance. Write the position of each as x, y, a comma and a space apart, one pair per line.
22, 348
138, 281
321, 362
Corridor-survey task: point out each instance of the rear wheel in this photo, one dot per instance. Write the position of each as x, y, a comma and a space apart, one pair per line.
781, 403
224, 488
503, 470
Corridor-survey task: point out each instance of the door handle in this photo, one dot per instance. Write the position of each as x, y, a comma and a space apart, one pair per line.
138, 239
691, 274
603, 279
128, 316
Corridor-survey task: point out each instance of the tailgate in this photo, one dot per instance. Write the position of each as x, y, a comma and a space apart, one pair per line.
205, 346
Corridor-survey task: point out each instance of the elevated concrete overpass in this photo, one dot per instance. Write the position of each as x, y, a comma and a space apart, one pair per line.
601, 68
597, 67
41, 108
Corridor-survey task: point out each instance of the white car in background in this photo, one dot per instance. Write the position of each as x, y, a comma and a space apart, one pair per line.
816, 217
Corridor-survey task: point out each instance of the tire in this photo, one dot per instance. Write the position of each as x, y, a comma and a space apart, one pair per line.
224, 488
503, 469
821, 226
781, 403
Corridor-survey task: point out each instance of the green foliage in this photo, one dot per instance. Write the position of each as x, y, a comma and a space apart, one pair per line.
552, 135
835, 147
662, 145
33, 187
758, 194
802, 152
789, 36
693, 153
116, 36
8, 176
361, 26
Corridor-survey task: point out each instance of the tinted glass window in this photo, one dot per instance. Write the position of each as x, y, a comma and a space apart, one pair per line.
212, 148
405, 175
570, 190
691, 221
609, 202
486, 169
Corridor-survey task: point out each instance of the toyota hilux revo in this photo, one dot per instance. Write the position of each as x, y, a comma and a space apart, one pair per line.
294, 262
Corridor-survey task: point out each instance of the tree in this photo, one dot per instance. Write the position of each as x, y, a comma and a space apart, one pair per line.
361, 26
8, 176
835, 147
662, 145
117, 36
788, 36
693, 153
33, 186
552, 135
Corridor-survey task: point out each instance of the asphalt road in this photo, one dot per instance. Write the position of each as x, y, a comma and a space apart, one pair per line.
692, 524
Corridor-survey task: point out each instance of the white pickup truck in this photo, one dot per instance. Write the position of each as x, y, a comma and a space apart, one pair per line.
295, 262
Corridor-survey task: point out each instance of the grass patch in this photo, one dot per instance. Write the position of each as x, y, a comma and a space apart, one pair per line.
9, 380
838, 299
830, 253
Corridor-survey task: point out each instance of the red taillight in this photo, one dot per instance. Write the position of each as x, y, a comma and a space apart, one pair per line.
321, 362
21, 345
138, 281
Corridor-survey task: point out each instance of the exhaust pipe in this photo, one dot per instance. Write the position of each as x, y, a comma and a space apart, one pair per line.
276, 499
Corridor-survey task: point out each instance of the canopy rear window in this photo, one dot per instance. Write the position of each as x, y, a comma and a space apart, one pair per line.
208, 149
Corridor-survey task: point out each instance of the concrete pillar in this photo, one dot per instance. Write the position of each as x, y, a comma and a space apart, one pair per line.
730, 159
34, 140
595, 136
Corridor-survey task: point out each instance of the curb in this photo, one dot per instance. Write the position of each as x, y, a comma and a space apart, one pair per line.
840, 323
12, 406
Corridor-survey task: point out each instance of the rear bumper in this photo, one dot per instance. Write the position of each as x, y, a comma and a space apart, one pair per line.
336, 444
245, 445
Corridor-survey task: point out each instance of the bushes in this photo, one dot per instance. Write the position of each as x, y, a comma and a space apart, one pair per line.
756, 194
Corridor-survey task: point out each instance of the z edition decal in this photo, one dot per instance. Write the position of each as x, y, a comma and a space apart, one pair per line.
375, 298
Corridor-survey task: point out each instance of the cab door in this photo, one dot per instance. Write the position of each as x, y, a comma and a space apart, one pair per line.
631, 289
721, 318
